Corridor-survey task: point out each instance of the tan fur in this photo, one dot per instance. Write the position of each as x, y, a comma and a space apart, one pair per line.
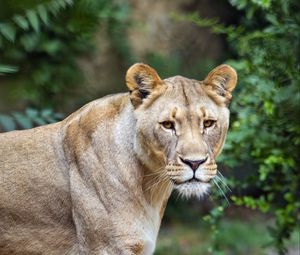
98, 182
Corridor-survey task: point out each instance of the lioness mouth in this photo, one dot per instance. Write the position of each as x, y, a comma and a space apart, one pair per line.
192, 180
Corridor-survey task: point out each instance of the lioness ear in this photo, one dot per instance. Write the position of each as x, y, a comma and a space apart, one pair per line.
141, 80
222, 81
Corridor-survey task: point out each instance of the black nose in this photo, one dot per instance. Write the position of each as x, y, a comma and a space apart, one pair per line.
194, 164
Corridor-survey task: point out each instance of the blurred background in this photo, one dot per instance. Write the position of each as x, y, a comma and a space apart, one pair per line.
56, 55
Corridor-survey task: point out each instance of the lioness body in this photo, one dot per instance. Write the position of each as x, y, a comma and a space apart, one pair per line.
36, 183
35, 202
89, 184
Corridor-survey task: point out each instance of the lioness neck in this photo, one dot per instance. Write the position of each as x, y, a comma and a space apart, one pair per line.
156, 190
103, 142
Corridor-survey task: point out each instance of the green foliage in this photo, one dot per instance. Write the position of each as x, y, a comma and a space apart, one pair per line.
43, 40
5, 69
265, 130
20, 20
215, 216
244, 236
31, 18
29, 119
214, 219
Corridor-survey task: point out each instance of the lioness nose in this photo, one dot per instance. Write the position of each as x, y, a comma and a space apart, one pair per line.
194, 164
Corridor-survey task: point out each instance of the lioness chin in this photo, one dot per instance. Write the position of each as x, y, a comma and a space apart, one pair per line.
98, 181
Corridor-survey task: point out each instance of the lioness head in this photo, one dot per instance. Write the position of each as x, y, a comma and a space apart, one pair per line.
181, 124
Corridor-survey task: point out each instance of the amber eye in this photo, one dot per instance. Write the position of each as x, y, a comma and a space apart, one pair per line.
167, 124
208, 123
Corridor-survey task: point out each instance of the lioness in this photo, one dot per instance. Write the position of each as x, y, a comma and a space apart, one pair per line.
98, 181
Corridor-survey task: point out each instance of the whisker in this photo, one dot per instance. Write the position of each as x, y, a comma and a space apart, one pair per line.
157, 175
164, 178
157, 180
222, 192
157, 171
223, 182
221, 175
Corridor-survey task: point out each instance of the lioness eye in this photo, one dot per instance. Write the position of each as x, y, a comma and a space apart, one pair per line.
168, 124
208, 123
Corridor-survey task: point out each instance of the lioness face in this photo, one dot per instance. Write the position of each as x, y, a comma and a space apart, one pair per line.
182, 124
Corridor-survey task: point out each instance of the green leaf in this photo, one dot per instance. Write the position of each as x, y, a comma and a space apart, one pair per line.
8, 31
43, 14
46, 113
58, 116
22, 120
52, 47
7, 122
30, 41
31, 113
21, 21
56, 5
39, 121
33, 20
8, 69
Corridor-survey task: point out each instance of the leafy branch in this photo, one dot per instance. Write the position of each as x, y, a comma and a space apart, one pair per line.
29, 119
32, 18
